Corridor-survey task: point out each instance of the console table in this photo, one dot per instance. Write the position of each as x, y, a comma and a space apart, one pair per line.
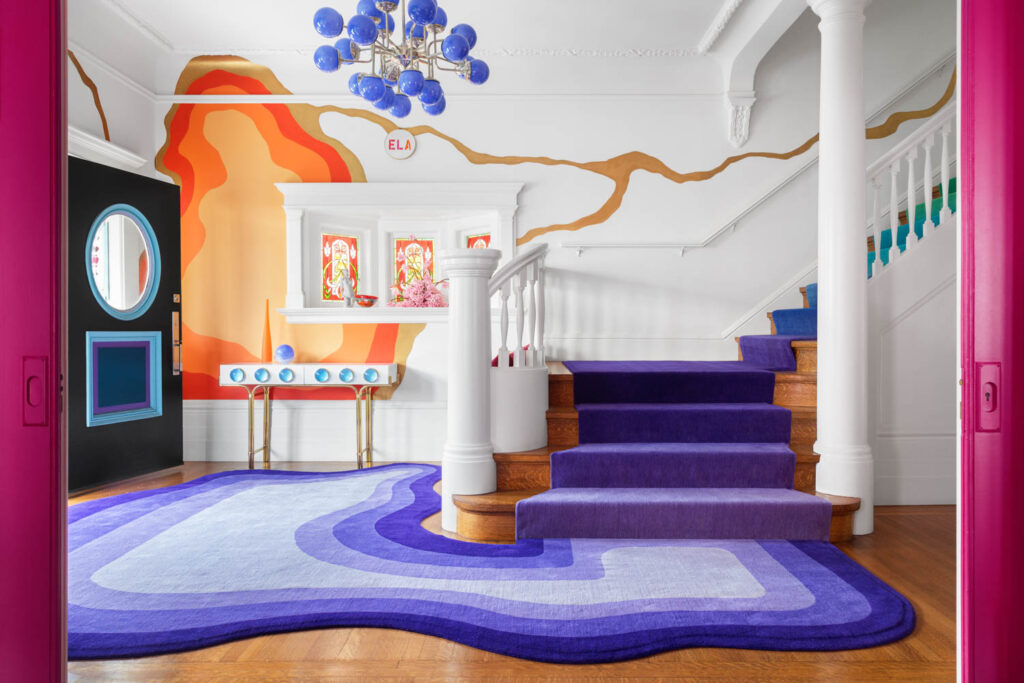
363, 379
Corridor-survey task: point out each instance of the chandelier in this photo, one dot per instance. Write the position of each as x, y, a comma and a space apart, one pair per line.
398, 71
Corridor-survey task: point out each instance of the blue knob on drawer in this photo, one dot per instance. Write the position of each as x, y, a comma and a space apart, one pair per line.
237, 375
286, 375
321, 375
371, 375
347, 375
262, 375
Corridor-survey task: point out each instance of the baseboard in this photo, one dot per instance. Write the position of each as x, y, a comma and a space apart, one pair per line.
307, 431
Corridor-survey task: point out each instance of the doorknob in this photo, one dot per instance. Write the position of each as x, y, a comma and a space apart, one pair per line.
175, 343
33, 407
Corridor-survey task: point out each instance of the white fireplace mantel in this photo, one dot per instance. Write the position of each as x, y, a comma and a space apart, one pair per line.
378, 213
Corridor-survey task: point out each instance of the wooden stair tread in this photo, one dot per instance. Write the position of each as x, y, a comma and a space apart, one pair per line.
804, 344
536, 455
840, 504
796, 377
499, 501
556, 368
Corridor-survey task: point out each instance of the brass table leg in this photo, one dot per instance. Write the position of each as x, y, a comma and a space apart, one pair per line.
359, 426
252, 440
368, 404
266, 428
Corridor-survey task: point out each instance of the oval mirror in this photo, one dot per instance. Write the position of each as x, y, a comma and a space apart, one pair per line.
123, 261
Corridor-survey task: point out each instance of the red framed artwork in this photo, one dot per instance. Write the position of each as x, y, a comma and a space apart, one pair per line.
481, 241
414, 259
339, 256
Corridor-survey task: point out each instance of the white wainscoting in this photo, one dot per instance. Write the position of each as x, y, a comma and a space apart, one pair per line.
403, 431
913, 374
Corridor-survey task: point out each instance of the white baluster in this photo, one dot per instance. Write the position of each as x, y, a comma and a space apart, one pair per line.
911, 199
517, 289
929, 225
538, 338
876, 224
947, 208
531, 312
894, 211
503, 295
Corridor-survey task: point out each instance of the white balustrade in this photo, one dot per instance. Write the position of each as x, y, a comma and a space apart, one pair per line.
915, 155
520, 283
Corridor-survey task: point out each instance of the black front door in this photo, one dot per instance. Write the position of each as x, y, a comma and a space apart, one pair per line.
124, 311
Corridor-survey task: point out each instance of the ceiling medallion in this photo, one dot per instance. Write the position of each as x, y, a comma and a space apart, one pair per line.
398, 71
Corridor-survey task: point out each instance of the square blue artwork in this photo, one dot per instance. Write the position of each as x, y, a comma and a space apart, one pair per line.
123, 378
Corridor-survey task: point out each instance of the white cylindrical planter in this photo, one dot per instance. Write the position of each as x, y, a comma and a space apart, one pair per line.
847, 466
467, 465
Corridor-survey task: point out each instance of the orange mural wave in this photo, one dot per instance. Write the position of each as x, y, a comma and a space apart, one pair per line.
226, 159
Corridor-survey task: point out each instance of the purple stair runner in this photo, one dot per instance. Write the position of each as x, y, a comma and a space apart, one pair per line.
683, 423
677, 449
670, 382
674, 513
677, 465
771, 351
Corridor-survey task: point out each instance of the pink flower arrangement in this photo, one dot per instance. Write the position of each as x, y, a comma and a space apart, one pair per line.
420, 293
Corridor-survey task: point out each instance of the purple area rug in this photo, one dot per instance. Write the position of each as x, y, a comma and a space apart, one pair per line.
771, 351
240, 554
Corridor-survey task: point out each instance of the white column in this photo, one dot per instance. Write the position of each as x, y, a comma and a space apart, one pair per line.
467, 465
296, 296
847, 466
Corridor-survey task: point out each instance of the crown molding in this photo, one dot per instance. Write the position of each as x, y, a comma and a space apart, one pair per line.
718, 24
91, 148
144, 28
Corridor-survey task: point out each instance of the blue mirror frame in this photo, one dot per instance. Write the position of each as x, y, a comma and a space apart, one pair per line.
152, 282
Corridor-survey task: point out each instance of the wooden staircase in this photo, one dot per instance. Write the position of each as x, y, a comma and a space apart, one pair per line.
491, 517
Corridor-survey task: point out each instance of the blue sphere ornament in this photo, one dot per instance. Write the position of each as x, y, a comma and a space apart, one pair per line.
261, 375
368, 8
348, 50
414, 30
372, 88
284, 354
371, 375
439, 22
431, 92
326, 58
353, 84
402, 106
435, 108
362, 29
467, 32
286, 375
478, 71
346, 375
328, 22
386, 100
455, 48
321, 375
411, 82
237, 375
422, 11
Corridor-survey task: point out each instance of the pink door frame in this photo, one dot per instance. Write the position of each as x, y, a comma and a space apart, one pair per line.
33, 499
992, 280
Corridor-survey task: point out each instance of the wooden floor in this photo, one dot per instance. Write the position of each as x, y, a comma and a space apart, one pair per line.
913, 549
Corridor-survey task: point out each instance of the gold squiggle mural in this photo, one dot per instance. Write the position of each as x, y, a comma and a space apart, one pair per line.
618, 169
91, 85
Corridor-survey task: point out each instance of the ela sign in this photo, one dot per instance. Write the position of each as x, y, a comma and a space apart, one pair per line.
400, 144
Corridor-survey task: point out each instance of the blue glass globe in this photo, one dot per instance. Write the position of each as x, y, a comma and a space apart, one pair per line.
371, 375
368, 8
321, 375
372, 88
467, 32
348, 50
455, 48
284, 354
346, 375
439, 22
422, 11
402, 106
386, 100
286, 375
435, 108
326, 58
262, 375
237, 375
328, 22
414, 30
353, 83
362, 29
411, 82
478, 71
431, 92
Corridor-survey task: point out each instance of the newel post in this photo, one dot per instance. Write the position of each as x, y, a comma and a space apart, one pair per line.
467, 465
